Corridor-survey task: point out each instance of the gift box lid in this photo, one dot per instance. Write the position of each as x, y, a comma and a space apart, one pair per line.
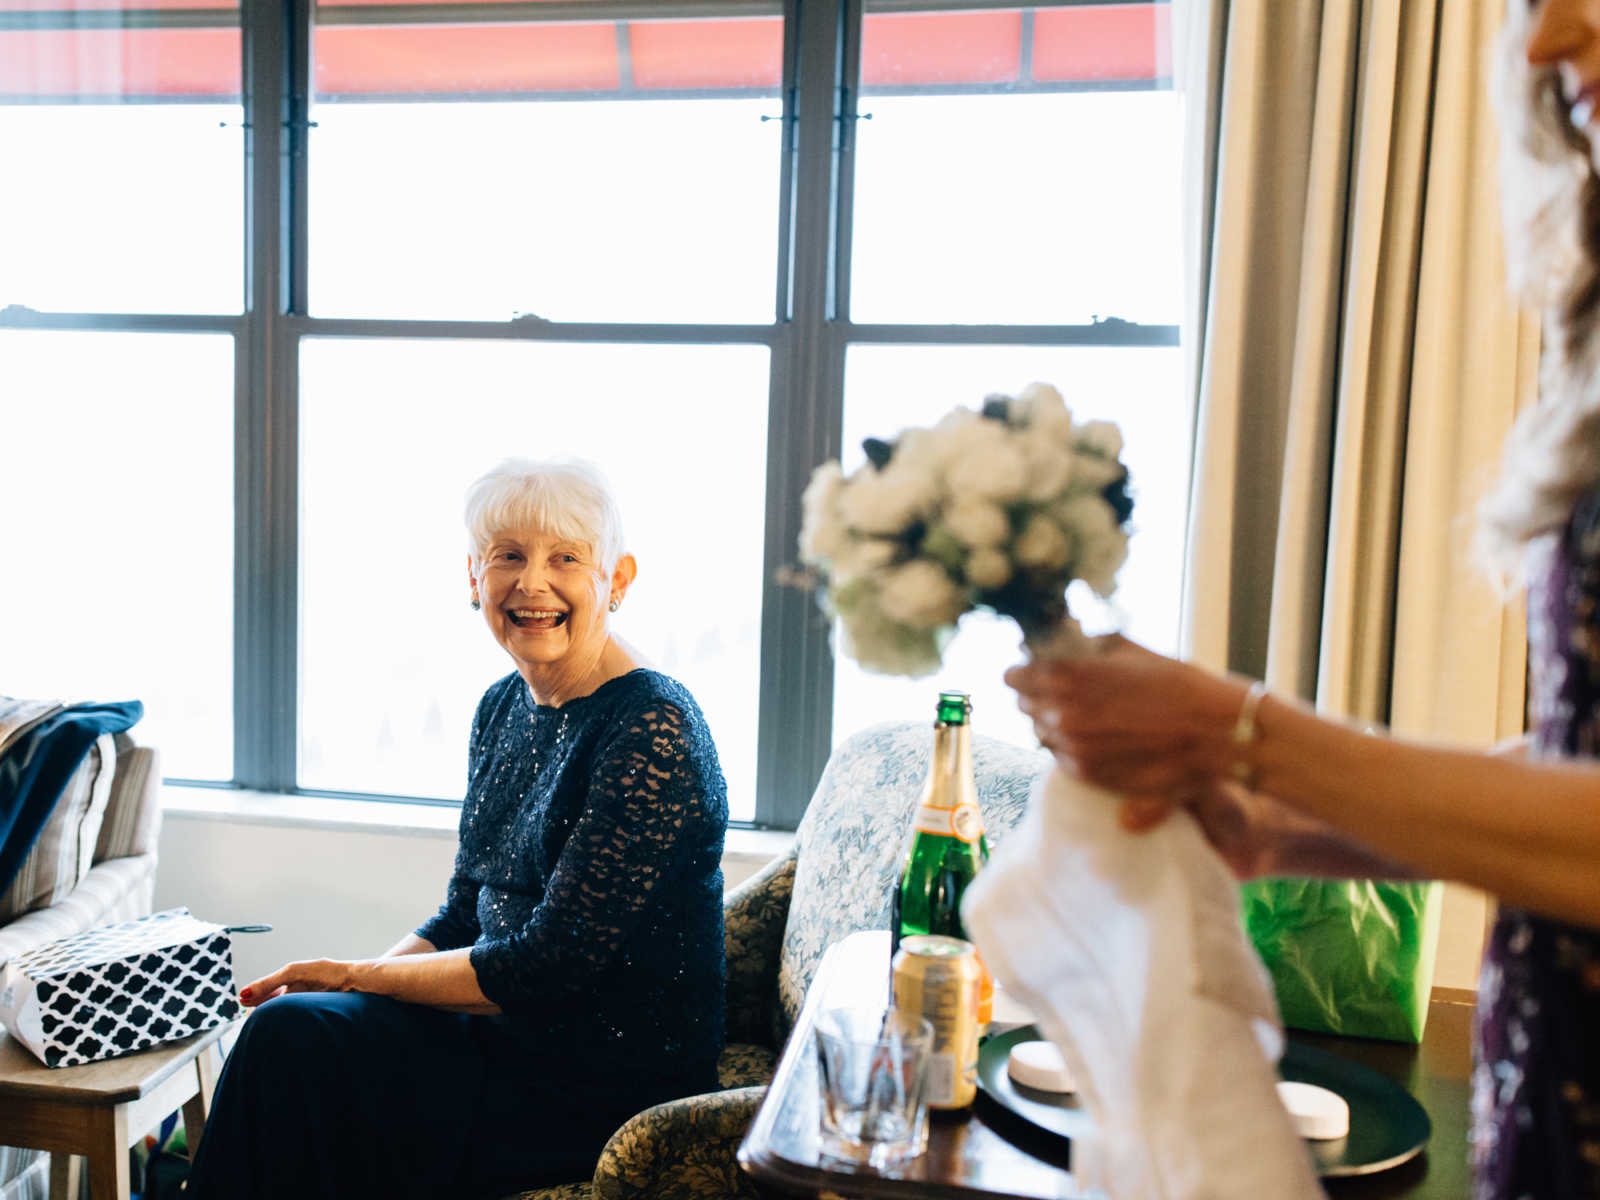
159, 931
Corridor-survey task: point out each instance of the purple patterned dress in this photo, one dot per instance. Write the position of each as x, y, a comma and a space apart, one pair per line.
1536, 1087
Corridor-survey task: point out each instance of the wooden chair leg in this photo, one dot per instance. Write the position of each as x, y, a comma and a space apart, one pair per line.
198, 1106
64, 1176
109, 1175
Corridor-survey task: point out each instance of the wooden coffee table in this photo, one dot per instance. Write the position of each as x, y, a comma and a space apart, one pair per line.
990, 1155
99, 1110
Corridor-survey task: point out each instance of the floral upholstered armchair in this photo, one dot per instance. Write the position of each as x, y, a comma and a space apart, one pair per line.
833, 882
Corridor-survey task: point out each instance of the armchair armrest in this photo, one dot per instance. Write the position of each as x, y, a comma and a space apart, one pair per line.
754, 915
681, 1150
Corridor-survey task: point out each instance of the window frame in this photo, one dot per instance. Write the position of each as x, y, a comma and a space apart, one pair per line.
807, 341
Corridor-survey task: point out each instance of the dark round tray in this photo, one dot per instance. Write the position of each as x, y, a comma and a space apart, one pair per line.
1387, 1125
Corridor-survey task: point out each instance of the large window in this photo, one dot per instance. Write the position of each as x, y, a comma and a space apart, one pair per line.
121, 289
279, 280
574, 172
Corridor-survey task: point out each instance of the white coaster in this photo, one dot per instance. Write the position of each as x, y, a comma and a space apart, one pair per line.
1009, 1012
1317, 1113
1040, 1065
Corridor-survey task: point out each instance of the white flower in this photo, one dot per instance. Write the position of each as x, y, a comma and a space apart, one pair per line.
890, 500
921, 595
1050, 469
918, 448
1087, 517
1040, 396
977, 522
1101, 437
858, 557
886, 647
1037, 396
951, 440
1099, 561
988, 568
956, 420
1102, 547
1047, 412
822, 532
1041, 544
990, 464
1090, 472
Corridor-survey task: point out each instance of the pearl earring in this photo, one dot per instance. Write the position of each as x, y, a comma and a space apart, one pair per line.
475, 604
615, 604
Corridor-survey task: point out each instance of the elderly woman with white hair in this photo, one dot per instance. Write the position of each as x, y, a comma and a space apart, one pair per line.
573, 975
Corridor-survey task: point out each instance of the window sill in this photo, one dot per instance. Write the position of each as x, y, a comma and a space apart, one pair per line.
377, 816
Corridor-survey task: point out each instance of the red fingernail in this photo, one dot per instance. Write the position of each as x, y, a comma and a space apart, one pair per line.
245, 995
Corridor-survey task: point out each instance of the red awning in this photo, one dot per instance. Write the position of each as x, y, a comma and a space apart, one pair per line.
1087, 44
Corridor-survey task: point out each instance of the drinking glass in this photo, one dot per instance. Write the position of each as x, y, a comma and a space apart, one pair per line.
871, 1066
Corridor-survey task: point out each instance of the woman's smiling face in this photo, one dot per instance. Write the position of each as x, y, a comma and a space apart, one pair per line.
545, 598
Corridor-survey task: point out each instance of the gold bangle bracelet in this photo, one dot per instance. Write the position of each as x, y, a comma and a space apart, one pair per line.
1246, 734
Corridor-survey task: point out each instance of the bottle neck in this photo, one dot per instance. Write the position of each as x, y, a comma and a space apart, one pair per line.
950, 781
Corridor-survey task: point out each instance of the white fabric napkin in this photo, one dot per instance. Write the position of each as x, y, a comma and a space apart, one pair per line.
1130, 952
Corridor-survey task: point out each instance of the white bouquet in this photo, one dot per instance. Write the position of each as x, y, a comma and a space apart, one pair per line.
998, 509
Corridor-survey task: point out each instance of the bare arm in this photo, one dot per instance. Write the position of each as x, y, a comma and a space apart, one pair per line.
1160, 729
1527, 832
438, 978
1258, 835
410, 944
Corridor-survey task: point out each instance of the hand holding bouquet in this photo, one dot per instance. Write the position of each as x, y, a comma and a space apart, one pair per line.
999, 509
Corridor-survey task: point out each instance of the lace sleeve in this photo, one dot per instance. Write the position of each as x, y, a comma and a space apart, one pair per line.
646, 818
456, 923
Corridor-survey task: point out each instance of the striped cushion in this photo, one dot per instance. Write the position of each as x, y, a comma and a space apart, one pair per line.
114, 891
133, 816
64, 849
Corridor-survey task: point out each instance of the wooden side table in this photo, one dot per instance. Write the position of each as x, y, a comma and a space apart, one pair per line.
100, 1109
990, 1155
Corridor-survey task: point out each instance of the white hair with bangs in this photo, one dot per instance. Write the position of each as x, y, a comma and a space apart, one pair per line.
565, 497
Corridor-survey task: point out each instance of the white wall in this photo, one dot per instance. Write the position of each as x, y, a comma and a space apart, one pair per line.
329, 888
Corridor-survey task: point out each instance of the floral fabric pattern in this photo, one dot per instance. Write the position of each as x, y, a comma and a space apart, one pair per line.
1536, 1083
680, 1151
745, 1065
753, 917
562, 1191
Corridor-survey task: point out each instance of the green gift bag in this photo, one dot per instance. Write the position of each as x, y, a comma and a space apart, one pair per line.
1347, 956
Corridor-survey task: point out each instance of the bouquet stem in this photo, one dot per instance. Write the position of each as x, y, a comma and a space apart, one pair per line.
1059, 640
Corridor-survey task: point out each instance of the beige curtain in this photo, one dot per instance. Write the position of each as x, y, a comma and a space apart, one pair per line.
1355, 363
1354, 357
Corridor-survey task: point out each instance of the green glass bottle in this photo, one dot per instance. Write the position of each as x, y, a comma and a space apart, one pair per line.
946, 848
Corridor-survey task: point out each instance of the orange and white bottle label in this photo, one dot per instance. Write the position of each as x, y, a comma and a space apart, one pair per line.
964, 821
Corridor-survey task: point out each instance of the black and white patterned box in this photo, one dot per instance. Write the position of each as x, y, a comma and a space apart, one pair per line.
121, 988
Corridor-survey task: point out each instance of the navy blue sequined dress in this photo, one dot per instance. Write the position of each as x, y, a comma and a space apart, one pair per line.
1536, 1085
589, 885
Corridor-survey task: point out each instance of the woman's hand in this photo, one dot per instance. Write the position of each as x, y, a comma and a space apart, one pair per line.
1132, 720
1251, 832
318, 975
